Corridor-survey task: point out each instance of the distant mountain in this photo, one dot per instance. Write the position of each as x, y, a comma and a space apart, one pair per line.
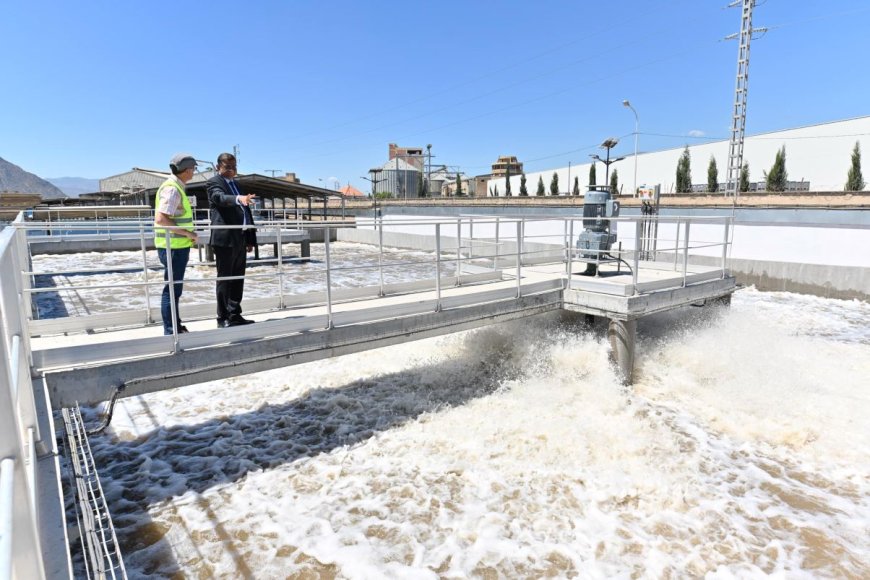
75, 186
15, 179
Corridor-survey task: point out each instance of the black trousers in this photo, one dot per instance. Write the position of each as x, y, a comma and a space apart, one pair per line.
230, 262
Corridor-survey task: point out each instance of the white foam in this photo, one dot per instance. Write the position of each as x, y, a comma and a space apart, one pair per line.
513, 451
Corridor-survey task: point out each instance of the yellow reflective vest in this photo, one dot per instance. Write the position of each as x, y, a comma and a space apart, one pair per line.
185, 220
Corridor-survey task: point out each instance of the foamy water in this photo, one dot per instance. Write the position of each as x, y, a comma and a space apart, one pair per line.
513, 452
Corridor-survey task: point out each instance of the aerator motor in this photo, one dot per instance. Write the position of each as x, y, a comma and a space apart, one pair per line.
596, 239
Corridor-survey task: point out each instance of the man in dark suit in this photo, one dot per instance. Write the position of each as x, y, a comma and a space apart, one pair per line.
229, 207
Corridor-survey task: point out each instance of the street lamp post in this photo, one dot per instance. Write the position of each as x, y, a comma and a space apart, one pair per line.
608, 145
625, 103
374, 180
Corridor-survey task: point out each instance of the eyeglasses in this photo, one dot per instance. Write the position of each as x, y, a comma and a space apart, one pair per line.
227, 166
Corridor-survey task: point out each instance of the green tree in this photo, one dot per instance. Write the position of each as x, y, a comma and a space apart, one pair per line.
592, 174
576, 185
777, 178
420, 191
744, 177
855, 180
554, 184
507, 182
540, 186
496, 190
614, 183
684, 172
523, 191
712, 176
458, 184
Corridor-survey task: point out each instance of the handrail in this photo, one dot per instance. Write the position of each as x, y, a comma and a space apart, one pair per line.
533, 242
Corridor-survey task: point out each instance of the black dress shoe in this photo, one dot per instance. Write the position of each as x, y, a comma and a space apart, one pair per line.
221, 323
182, 329
239, 321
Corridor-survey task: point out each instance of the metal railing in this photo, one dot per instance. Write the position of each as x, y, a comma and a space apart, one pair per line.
506, 244
20, 550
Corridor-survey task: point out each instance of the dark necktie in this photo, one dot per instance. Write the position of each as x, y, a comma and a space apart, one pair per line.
236, 191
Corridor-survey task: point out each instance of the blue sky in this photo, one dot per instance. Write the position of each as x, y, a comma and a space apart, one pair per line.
91, 89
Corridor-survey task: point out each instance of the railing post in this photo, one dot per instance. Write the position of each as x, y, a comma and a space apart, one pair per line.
458, 250
570, 249
381, 261
725, 246
686, 252
148, 319
638, 232
437, 267
7, 505
677, 246
329, 324
280, 258
519, 259
171, 281
497, 248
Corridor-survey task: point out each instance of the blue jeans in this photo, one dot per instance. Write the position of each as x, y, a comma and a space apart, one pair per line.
179, 264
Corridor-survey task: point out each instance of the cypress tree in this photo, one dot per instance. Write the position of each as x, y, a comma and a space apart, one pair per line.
540, 186
576, 185
684, 172
459, 185
554, 184
777, 178
712, 176
855, 180
744, 177
507, 182
496, 190
523, 191
592, 174
614, 183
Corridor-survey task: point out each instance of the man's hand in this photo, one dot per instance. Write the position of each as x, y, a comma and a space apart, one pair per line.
250, 247
247, 199
193, 237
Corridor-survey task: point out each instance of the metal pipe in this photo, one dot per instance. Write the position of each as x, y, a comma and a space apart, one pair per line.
329, 324
437, 267
638, 228
570, 252
280, 256
677, 246
519, 259
686, 252
14, 358
725, 247
497, 246
458, 250
148, 319
381, 261
7, 500
171, 281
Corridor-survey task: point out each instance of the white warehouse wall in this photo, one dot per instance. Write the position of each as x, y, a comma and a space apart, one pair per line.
820, 154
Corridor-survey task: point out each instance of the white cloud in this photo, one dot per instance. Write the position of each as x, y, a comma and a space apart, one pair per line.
696, 133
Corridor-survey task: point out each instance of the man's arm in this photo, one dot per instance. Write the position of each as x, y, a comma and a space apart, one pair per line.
167, 222
218, 196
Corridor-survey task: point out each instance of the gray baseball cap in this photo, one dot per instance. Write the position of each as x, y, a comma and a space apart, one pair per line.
182, 161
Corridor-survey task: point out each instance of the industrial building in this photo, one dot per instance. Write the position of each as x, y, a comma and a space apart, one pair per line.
818, 158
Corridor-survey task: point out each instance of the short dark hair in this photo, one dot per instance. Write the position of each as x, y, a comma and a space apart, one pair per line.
224, 157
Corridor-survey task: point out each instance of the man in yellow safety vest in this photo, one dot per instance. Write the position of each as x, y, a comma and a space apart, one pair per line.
173, 219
